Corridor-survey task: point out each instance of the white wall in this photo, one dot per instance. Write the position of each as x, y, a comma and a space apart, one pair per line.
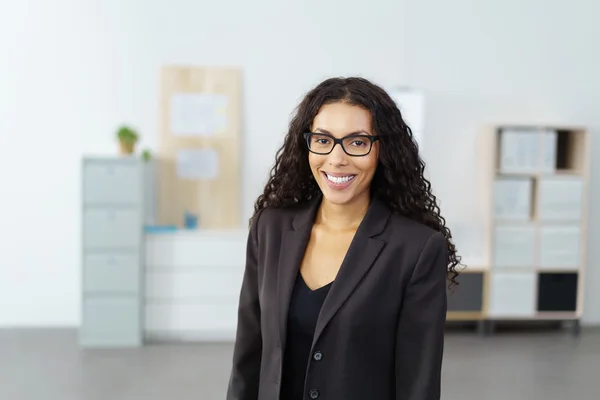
73, 70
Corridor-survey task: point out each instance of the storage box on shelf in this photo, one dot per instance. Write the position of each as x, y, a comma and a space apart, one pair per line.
467, 301
112, 252
536, 190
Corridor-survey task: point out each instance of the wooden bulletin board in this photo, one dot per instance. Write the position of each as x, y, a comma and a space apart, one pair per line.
199, 147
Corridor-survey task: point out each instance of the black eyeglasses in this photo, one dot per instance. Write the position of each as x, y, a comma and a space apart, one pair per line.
355, 145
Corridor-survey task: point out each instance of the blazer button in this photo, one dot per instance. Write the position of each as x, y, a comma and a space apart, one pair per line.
318, 356
313, 394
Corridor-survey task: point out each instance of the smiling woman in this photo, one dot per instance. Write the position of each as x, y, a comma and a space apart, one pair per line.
348, 259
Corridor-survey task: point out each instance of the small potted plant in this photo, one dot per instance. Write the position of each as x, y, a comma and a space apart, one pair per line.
146, 155
128, 138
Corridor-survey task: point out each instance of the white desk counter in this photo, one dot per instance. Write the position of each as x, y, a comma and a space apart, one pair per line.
193, 281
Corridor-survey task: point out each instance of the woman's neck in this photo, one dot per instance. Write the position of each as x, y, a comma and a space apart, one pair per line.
342, 217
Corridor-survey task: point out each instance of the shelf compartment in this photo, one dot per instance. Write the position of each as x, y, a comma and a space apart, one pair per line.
557, 292
526, 149
560, 247
570, 151
513, 198
512, 295
514, 247
559, 198
468, 295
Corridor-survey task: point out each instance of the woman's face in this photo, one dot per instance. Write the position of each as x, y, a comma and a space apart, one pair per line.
343, 178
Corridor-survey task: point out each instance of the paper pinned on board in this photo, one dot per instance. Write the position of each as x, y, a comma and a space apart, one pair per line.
197, 164
198, 114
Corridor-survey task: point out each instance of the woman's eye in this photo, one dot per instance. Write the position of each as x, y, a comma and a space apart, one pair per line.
358, 143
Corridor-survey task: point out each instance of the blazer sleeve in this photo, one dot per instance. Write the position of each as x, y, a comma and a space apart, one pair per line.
245, 373
420, 331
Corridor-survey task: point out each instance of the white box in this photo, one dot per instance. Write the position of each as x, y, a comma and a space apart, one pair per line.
473, 244
560, 199
514, 247
512, 198
513, 294
548, 149
560, 247
519, 151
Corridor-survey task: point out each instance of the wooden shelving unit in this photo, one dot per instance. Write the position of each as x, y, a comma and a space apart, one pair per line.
534, 183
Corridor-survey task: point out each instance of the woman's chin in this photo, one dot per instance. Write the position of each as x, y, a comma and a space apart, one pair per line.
338, 197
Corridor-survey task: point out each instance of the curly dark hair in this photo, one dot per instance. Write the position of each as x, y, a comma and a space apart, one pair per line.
399, 178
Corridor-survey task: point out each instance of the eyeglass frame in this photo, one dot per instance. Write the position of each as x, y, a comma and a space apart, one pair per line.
372, 139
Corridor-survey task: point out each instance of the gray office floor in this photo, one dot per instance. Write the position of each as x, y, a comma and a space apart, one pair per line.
48, 365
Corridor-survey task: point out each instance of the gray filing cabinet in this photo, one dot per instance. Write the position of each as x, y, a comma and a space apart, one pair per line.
113, 215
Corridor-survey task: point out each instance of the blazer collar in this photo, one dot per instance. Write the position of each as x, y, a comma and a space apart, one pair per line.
361, 255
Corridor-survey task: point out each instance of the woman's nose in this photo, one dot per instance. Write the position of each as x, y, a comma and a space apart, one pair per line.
337, 157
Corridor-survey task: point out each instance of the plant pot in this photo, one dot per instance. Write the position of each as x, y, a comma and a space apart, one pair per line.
127, 147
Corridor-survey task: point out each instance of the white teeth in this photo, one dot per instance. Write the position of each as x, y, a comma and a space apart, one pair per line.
340, 179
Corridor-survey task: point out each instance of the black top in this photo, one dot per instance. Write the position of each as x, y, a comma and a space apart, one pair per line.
305, 306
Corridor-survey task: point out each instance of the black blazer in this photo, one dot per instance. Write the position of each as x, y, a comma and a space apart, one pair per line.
381, 329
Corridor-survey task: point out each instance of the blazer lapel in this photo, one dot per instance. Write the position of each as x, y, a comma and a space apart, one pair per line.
291, 253
359, 259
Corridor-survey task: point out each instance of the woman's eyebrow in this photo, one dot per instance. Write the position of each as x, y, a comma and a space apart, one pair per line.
352, 133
